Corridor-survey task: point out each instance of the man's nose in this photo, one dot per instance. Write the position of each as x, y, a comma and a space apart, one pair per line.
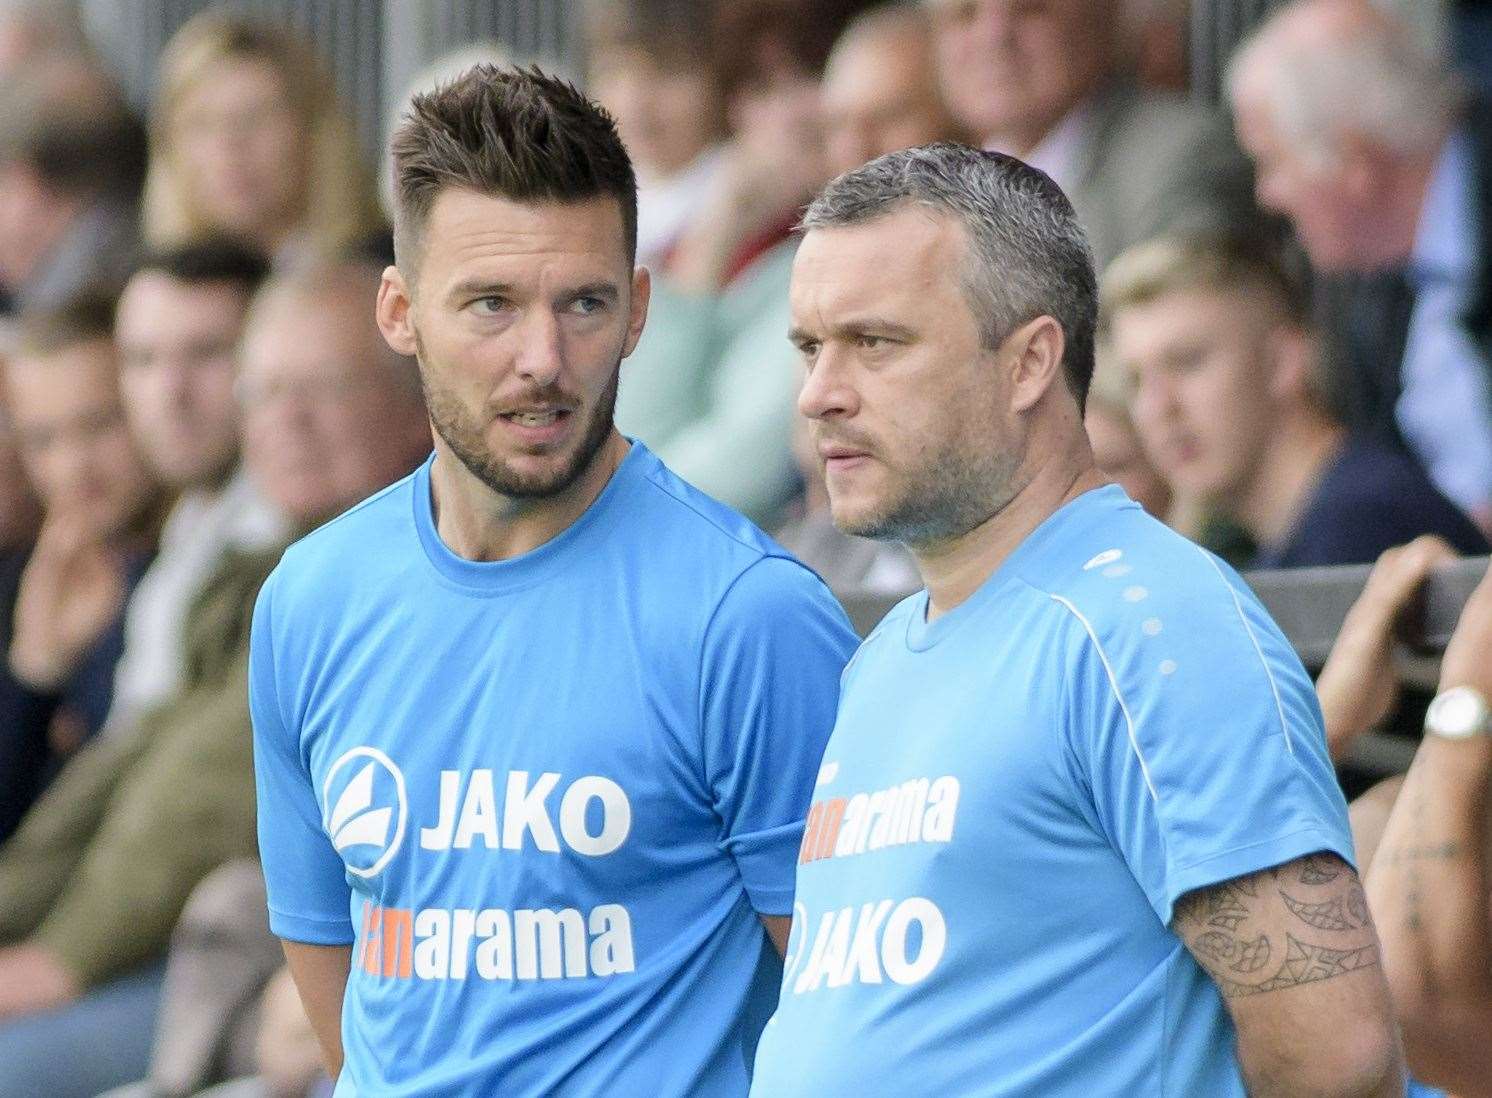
541, 356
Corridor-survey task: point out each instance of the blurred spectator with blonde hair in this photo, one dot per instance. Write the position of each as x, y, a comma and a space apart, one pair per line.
1371, 146
1227, 400
249, 140
1048, 81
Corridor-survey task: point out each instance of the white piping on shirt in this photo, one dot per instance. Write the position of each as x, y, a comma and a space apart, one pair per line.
1114, 684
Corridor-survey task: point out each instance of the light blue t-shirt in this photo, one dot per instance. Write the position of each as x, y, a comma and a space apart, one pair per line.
544, 800
1013, 799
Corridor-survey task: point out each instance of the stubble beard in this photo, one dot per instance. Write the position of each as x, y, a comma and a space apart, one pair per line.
956, 493
464, 435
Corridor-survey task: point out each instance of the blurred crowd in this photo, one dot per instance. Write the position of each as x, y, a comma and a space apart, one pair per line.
1296, 369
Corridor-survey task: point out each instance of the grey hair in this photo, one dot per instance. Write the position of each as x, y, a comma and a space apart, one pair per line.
1371, 77
1028, 256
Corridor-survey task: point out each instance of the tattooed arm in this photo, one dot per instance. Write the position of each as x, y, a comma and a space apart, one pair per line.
1294, 953
1428, 885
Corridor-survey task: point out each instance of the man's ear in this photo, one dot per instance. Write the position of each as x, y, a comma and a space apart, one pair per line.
637, 312
394, 312
1034, 352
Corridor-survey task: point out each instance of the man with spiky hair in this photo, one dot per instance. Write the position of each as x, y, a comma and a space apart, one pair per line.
536, 727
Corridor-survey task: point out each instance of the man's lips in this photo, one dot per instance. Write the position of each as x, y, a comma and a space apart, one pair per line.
537, 424
838, 457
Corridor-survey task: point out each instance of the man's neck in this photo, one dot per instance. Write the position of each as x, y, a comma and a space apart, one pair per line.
954, 569
478, 524
1278, 493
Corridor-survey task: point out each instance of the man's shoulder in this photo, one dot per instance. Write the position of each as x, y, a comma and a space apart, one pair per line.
1125, 577
672, 515
348, 549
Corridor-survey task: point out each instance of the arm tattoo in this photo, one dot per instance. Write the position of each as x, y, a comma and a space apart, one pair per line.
1295, 924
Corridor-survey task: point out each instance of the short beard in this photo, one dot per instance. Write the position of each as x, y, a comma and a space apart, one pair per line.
954, 497
463, 434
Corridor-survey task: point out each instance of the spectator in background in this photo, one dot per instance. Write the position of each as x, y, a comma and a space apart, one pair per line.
880, 90
248, 139
1424, 838
72, 159
1428, 884
711, 386
102, 511
1227, 402
654, 66
1044, 80
1367, 143
93, 882
177, 326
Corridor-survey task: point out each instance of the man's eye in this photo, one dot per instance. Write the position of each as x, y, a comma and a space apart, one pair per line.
587, 306
871, 342
488, 306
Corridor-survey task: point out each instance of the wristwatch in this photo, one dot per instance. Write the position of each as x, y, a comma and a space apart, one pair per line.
1458, 714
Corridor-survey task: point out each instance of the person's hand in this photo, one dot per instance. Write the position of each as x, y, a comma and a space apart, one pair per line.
72, 589
1468, 654
32, 980
1358, 685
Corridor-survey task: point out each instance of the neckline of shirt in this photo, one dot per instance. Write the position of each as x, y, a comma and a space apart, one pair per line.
555, 557
922, 634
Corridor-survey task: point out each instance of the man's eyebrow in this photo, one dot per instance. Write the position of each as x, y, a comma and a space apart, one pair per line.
870, 325
477, 287
607, 290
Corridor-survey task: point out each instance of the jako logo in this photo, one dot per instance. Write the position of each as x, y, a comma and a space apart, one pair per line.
367, 809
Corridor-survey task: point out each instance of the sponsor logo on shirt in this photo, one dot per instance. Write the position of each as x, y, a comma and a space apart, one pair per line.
920, 810
366, 817
494, 944
366, 809
883, 941
901, 941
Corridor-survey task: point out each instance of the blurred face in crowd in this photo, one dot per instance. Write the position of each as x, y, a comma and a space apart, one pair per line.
73, 439
327, 419
1010, 70
520, 315
178, 357
242, 151
1119, 455
912, 413
1329, 196
667, 116
879, 96
1214, 371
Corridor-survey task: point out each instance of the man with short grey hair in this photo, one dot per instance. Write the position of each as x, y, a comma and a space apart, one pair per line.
1366, 141
1075, 830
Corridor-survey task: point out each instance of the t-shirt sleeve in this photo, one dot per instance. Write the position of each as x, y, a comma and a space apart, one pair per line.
1198, 735
308, 893
769, 683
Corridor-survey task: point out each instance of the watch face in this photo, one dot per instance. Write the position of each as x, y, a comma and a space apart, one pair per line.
1457, 713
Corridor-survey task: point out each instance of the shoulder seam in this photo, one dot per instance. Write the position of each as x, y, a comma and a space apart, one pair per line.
1129, 721
761, 551
361, 505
